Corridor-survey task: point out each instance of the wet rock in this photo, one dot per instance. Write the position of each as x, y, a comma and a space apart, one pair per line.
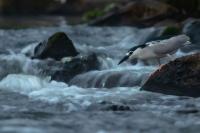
180, 77
115, 107
58, 46
171, 30
167, 33
138, 13
188, 111
76, 66
192, 29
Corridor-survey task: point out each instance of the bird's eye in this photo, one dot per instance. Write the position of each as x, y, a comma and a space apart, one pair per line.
130, 52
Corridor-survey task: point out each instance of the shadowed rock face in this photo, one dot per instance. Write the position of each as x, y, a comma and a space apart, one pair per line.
75, 67
179, 77
137, 13
192, 29
58, 46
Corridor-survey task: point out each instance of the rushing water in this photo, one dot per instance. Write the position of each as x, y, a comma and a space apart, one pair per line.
104, 101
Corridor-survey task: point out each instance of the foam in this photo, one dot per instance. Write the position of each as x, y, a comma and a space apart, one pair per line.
54, 92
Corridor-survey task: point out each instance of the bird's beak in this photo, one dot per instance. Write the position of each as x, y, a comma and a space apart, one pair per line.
124, 59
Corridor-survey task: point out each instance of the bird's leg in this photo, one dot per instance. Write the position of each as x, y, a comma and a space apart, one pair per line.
160, 65
158, 59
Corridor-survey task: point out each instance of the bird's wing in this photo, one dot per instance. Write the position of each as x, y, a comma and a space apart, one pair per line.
163, 47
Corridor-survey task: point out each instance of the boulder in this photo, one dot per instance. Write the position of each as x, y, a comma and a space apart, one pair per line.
192, 29
137, 13
187, 7
25, 7
56, 47
180, 77
76, 66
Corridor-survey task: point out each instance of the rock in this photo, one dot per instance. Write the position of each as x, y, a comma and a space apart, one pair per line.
187, 7
77, 66
116, 107
192, 29
25, 7
137, 13
166, 33
180, 77
58, 46
171, 30
92, 15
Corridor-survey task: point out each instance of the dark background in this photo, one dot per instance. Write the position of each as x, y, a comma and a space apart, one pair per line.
140, 13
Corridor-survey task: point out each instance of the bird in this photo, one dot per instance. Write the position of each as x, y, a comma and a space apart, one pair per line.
157, 49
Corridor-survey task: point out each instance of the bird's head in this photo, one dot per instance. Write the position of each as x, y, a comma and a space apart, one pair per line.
126, 57
132, 53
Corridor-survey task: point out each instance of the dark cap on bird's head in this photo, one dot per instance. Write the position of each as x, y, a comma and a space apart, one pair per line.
130, 52
124, 59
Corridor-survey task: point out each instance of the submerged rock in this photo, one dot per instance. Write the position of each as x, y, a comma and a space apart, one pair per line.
76, 66
58, 46
180, 77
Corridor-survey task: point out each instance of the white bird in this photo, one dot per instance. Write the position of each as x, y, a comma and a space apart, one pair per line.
157, 49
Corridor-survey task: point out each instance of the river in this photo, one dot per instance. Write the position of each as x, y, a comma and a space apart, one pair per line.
103, 101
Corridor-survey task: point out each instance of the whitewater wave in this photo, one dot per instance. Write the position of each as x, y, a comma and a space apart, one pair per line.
54, 92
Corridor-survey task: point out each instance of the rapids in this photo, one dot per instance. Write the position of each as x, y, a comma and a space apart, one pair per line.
104, 101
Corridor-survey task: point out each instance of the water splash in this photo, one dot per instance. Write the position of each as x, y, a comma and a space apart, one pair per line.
73, 97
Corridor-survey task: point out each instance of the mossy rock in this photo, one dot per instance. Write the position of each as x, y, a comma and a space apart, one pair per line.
95, 13
90, 15
171, 30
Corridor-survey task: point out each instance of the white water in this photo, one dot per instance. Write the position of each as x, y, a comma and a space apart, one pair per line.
27, 82
30, 77
57, 92
107, 100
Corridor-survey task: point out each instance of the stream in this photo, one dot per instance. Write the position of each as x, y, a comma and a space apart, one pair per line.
105, 101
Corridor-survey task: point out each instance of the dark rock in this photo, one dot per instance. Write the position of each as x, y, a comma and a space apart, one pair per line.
166, 33
58, 46
192, 29
116, 107
13, 7
180, 77
188, 111
188, 7
171, 30
75, 67
137, 13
